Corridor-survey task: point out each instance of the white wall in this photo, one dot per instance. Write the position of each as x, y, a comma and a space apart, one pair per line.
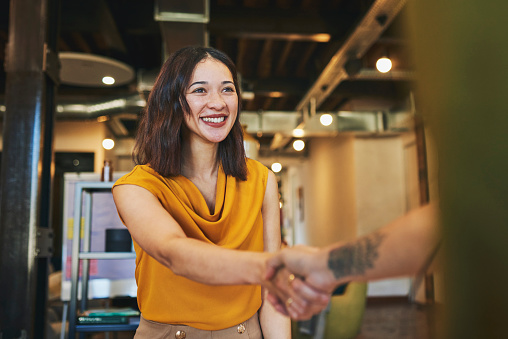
380, 182
329, 190
381, 196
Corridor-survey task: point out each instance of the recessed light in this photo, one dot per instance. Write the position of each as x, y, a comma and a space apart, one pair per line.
108, 80
108, 143
298, 145
384, 65
276, 167
298, 133
326, 119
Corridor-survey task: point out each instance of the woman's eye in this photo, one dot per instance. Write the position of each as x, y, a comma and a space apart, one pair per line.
199, 90
228, 89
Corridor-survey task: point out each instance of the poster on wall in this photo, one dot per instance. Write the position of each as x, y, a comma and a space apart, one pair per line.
107, 277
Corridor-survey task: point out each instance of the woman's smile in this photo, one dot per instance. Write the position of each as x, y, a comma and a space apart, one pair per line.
214, 121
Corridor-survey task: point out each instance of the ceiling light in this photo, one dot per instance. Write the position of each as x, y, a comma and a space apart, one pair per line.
326, 119
321, 37
298, 133
89, 70
275, 94
247, 95
102, 118
108, 80
384, 65
276, 167
298, 145
108, 144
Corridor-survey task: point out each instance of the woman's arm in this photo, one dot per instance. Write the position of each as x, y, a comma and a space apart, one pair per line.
158, 233
273, 324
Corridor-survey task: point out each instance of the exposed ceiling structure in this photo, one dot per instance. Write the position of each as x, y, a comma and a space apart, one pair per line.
296, 58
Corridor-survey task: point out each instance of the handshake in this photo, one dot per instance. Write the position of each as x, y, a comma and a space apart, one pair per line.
300, 279
299, 282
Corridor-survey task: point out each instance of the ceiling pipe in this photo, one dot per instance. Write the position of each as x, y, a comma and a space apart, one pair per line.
182, 23
264, 122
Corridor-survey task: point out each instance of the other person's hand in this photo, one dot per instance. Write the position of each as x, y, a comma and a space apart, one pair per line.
300, 282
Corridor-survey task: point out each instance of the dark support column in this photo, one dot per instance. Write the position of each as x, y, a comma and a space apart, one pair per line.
25, 180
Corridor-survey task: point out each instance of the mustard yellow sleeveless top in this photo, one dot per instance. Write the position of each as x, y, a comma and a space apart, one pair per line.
235, 224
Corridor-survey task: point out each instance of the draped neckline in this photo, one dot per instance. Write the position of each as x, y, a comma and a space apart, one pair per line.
195, 193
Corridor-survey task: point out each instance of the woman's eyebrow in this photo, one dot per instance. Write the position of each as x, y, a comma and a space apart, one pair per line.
206, 82
198, 83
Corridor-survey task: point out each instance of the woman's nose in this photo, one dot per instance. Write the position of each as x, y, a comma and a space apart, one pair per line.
216, 101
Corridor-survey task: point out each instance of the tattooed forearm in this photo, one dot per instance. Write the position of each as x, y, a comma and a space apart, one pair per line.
355, 258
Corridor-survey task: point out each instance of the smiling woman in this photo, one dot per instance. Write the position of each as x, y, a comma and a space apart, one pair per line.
159, 137
200, 213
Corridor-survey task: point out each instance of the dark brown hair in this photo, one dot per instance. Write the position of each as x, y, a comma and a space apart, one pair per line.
159, 135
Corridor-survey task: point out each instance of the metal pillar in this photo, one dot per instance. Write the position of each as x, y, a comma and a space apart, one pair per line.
25, 179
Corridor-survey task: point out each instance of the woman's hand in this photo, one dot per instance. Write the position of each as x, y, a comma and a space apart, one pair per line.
300, 283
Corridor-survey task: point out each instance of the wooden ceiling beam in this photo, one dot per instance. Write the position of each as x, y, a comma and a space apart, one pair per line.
308, 5
99, 41
281, 103
285, 4
92, 16
304, 60
281, 69
242, 46
265, 60
267, 103
259, 23
255, 3
296, 86
81, 43
318, 37
62, 45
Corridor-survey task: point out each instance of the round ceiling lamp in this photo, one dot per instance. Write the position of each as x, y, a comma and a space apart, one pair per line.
326, 119
88, 70
384, 65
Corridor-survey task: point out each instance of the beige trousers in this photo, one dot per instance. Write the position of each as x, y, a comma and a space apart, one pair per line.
147, 329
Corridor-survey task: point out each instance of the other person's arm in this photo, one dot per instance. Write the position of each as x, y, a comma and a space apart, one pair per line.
403, 247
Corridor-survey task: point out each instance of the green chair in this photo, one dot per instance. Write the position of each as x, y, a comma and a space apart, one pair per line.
345, 315
341, 320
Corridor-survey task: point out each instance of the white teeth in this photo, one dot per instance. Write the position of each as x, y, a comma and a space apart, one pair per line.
214, 120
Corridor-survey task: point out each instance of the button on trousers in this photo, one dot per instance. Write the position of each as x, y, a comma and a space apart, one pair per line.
147, 329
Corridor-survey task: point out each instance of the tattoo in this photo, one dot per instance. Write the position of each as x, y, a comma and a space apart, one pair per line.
355, 258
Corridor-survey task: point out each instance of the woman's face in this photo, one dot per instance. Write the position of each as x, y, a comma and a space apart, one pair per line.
212, 100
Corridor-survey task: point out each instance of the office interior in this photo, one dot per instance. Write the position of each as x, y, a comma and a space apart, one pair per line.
349, 142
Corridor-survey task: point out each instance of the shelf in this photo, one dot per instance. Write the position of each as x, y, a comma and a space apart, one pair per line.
107, 255
82, 209
108, 327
